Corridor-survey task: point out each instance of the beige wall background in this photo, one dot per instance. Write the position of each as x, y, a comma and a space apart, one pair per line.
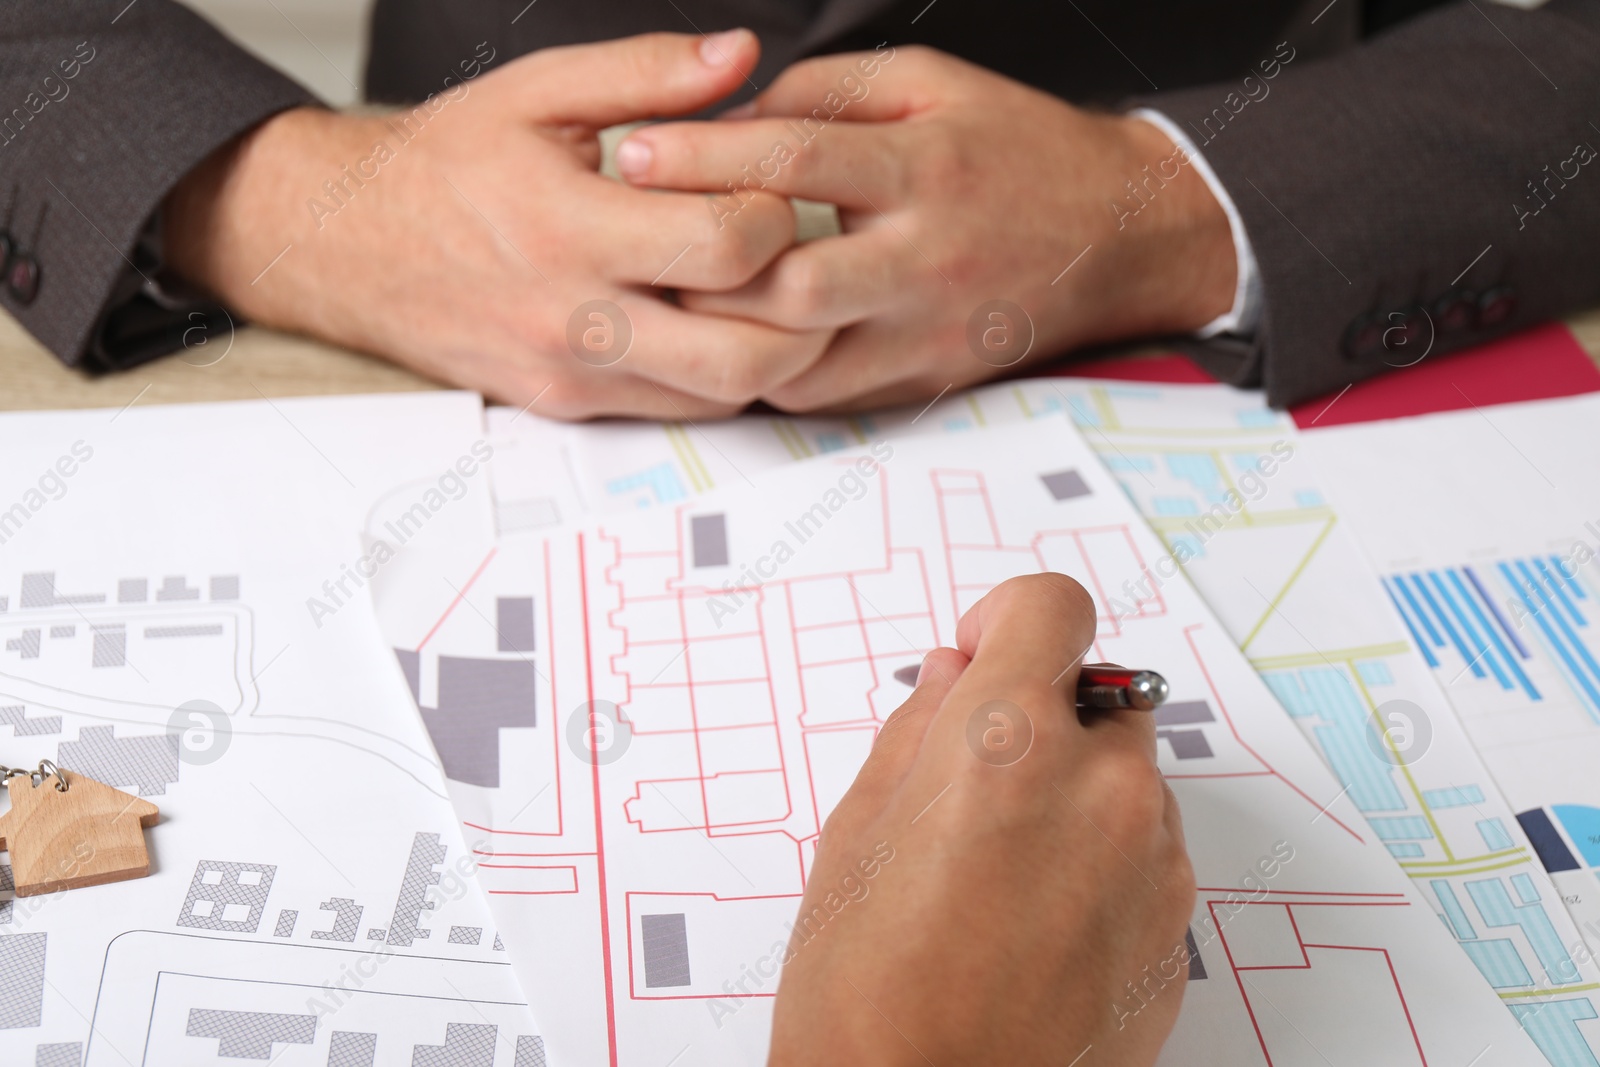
320, 43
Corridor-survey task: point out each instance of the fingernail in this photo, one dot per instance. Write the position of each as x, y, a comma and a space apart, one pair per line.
717, 50
634, 156
926, 668
746, 110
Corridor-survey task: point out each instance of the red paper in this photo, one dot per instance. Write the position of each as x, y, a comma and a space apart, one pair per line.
1536, 364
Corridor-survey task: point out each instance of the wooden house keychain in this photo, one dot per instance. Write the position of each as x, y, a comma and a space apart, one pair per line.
66, 831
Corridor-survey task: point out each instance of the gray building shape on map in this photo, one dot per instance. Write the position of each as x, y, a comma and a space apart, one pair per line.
465, 1045
1065, 485
21, 980
147, 762
16, 717
250, 1035
708, 539
477, 699
426, 854
1190, 743
227, 896
39, 591
665, 939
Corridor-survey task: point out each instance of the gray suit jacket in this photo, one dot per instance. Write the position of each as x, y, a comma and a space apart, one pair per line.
1427, 187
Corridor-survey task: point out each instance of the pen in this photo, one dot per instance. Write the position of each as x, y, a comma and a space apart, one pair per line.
1101, 685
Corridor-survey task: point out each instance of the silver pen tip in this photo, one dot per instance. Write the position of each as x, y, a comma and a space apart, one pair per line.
1148, 690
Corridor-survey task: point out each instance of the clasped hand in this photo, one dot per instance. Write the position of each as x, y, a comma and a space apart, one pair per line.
985, 223
488, 251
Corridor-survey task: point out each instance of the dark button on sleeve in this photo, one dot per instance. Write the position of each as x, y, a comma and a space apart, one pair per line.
1496, 306
22, 277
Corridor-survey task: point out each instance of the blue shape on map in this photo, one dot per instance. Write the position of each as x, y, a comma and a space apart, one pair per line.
662, 480
1494, 904
1553, 1026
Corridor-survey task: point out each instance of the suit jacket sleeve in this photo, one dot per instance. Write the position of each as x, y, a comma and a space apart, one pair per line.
102, 109
1434, 188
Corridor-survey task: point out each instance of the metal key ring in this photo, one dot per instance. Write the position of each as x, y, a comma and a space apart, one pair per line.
61, 778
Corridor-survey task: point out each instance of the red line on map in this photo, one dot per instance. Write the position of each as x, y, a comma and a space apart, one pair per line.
462, 595
599, 829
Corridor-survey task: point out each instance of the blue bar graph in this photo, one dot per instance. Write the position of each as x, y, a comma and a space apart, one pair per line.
1416, 638
1577, 663
1452, 609
1506, 628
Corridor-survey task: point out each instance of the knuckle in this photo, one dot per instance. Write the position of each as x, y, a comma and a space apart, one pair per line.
900, 178
788, 360
658, 49
919, 56
540, 333
895, 725
732, 254
843, 824
1129, 767
945, 160
535, 342
1175, 892
737, 381
1128, 795
677, 147
808, 163
1050, 591
943, 664
671, 43
568, 401
793, 398
634, 65
1181, 884
1034, 696
910, 718
806, 292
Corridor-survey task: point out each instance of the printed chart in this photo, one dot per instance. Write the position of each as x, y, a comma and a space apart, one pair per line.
654, 810
1500, 599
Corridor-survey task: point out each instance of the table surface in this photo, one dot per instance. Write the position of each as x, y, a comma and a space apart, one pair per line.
256, 362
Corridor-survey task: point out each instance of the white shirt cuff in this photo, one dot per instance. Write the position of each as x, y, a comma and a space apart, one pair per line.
1245, 314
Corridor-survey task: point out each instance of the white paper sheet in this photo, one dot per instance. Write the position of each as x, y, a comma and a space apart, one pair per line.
311, 897
1287, 582
1484, 525
1291, 585
743, 714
